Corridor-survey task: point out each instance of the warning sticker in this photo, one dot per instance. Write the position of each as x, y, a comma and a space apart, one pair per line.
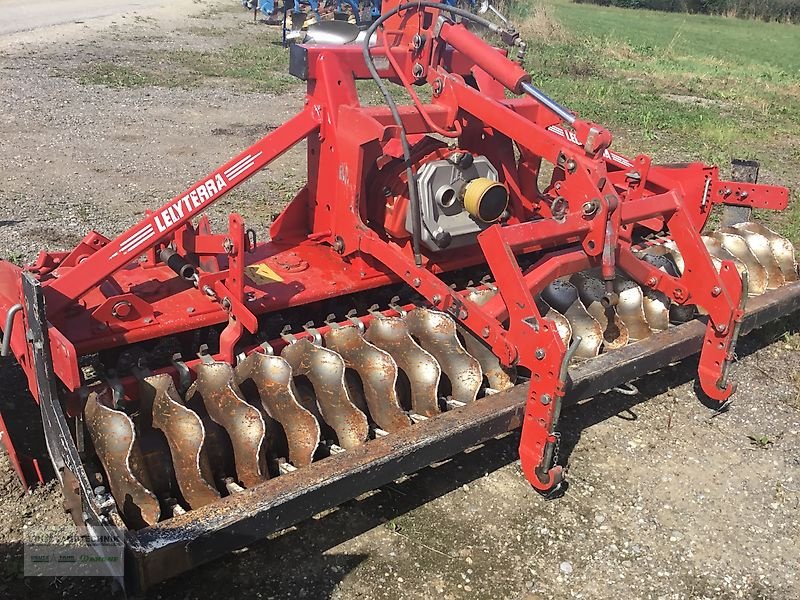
261, 274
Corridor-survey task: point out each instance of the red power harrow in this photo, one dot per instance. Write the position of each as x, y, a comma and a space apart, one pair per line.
450, 271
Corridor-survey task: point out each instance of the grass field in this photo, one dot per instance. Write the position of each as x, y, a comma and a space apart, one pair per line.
680, 87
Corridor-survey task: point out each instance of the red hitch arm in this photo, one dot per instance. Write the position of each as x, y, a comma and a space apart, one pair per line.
176, 213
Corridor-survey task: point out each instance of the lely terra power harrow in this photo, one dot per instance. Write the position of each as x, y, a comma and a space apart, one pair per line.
451, 270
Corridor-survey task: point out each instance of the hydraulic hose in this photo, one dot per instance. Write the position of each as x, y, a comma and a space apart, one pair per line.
416, 216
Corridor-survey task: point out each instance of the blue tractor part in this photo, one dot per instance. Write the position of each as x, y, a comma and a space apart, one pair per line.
267, 7
354, 7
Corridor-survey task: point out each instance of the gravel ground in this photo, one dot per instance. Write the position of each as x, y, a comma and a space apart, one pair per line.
667, 499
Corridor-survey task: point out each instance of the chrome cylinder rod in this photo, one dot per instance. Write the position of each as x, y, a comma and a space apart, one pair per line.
547, 102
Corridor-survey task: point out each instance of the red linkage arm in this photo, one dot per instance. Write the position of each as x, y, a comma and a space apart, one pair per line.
178, 212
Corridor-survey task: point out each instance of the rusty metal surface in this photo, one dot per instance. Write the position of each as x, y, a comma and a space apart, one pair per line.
563, 297
719, 253
591, 291
186, 437
272, 376
756, 272
656, 310
436, 333
391, 335
782, 248
114, 438
243, 423
668, 258
761, 248
630, 308
498, 377
656, 304
378, 373
562, 323
189, 540
325, 369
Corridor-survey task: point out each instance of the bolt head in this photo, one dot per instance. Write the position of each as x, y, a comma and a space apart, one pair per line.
546, 399
485, 333
121, 309
416, 282
722, 328
540, 354
716, 291
462, 314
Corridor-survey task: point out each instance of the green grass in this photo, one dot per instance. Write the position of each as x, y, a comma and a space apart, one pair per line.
746, 43
257, 67
207, 31
16, 258
260, 66
117, 76
715, 80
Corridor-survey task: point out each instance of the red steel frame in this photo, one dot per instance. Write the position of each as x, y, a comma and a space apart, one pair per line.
109, 293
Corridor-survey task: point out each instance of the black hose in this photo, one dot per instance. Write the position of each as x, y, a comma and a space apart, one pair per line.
416, 217
178, 263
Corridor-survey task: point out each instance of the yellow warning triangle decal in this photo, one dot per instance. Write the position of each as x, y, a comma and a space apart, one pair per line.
261, 274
